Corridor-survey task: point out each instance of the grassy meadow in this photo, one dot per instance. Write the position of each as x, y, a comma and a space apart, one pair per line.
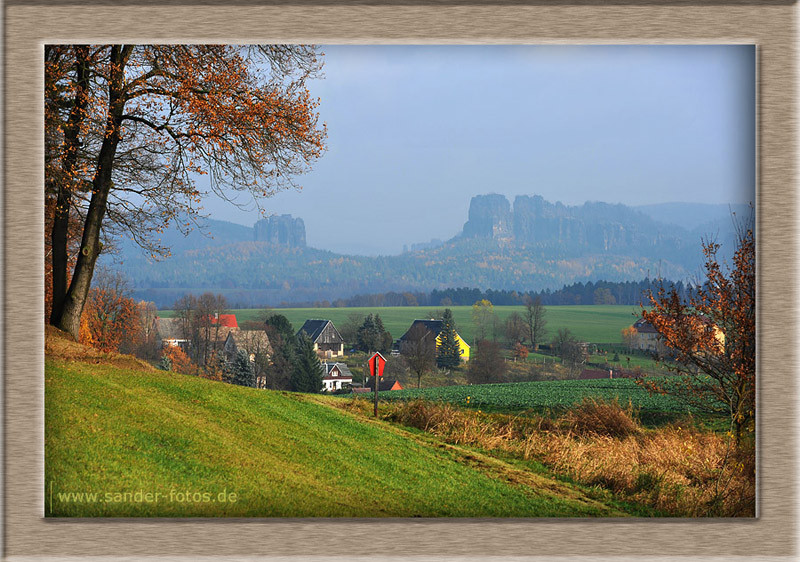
123, 439
210, 449
592, 323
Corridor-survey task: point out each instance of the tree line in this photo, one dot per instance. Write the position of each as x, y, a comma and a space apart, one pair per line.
598, 292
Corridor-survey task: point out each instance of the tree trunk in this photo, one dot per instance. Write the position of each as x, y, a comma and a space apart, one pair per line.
75, 298
60, 233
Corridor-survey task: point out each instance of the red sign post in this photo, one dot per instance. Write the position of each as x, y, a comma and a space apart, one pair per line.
376, 364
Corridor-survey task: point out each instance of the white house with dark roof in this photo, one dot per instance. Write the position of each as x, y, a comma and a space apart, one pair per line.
336, 377
328, 342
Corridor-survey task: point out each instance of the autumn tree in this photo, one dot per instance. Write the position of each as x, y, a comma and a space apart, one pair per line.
175, 360
256, 344
515, 329
148, 347
488, 365
111, 315
129, 128
189, 321
712, 335
483, 319
568, 348
629, 337
520, 351
535, 320
67, 93
419, 350
209, 309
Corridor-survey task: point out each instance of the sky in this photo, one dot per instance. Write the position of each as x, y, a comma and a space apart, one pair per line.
414, 132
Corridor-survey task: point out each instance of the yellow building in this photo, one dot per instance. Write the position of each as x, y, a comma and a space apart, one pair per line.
435, 327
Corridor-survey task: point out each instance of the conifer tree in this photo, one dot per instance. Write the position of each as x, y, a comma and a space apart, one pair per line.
226, 368
383, 337
449, 352
365, 335
307, 372
243, 373
166, 363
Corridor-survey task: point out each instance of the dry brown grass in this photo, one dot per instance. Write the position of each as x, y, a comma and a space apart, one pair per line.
599, 417
676, 469
60, 345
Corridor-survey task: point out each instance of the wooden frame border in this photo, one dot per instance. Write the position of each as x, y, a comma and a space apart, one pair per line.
769, 25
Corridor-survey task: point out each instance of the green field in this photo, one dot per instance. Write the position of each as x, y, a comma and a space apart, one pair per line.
543, 396
592, 323
115, 436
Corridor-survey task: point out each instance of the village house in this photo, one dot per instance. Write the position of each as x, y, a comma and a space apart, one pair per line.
336, 376
384, 384
253, 342
434, 328
326, 338
170, 333
647, 338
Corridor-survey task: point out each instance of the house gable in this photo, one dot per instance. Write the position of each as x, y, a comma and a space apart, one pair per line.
327, 339
435, 327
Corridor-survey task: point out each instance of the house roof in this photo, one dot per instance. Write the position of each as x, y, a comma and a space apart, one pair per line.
588, 374
385, 384
253, 341
343, 369
433, 326
314, 328
226, 321
168, 328
644, 327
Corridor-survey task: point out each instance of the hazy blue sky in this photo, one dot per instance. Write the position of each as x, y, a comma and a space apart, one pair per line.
416, 131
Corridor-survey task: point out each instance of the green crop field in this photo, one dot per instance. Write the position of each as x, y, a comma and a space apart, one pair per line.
543, 396
595, 323
122, 441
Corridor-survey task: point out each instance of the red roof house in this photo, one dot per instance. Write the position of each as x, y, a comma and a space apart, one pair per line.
225, 320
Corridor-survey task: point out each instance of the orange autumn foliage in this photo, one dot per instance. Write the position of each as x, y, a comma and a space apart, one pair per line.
128, 128
629, 337
712, 335
181, 363
108, 319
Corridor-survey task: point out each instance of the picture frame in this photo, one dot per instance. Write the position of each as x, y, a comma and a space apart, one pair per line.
771, 26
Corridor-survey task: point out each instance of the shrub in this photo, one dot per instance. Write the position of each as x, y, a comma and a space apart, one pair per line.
601, 417
178, 361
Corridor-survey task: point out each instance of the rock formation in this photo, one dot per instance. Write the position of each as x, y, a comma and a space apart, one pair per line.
489, 217
590, 227
282, 230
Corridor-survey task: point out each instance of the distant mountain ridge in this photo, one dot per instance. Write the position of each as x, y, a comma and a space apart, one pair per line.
591, 227
693, 216
533, 245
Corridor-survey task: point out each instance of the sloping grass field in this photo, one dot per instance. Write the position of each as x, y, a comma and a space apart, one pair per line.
595, 323
122, 440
